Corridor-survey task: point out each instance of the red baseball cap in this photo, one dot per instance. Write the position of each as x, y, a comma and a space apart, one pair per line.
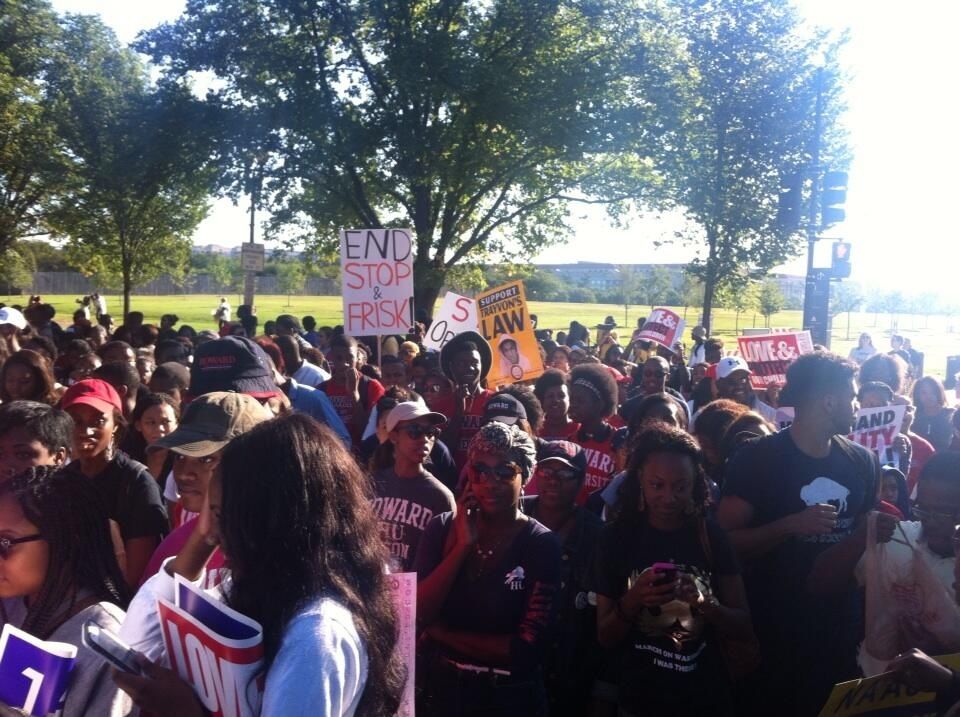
92, 392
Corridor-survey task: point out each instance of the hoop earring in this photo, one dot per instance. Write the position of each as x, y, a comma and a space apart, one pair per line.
520, 502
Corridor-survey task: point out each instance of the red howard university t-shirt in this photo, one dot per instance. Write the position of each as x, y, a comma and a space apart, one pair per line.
371, 391
601, 449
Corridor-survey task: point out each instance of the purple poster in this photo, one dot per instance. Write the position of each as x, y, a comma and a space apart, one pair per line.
34, 675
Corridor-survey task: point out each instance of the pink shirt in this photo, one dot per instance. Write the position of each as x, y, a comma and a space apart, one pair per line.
172, 545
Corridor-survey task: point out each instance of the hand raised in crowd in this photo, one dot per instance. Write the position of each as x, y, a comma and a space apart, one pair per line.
651, 589
920, 671
351, 380
462, 399
901, 444
159, 691
814, 520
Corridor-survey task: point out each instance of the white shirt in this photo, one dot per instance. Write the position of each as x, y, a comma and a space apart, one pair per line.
310, 375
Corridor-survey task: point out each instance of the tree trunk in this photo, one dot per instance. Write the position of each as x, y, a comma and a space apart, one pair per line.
428, 279
848, 325
126, 294
708, 289
736, 324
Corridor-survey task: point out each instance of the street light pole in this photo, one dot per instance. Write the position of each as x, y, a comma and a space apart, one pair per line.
816, 297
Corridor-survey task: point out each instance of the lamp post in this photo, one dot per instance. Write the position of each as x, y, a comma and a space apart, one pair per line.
816, 297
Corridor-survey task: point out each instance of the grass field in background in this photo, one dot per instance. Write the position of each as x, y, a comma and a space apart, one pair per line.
936, 336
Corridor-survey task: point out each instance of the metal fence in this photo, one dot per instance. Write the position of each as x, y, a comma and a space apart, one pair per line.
75, 283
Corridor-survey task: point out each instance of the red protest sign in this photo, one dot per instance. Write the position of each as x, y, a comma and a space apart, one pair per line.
769, 356
663, 326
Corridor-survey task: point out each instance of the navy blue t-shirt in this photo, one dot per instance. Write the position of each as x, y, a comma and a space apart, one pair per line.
517, 596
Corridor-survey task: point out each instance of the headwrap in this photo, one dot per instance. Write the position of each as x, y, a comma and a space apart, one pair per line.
510, 441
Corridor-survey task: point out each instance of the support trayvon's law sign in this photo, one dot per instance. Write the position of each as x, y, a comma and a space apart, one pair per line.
505, 324
377, 278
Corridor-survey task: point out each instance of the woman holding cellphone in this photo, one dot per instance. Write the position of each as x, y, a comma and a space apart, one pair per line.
668, 584
489, 577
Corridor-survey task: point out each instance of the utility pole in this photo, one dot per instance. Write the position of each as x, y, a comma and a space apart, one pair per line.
816, 297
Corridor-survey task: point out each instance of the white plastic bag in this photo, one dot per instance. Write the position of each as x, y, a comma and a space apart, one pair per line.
907, 604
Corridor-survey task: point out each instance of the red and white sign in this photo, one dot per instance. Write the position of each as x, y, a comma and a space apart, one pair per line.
663, 326
215, 649
377, 273
457, 314
769, 356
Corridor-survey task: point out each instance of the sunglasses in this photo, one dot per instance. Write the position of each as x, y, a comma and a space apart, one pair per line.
504, 472
559, 473
6, 544
416, 431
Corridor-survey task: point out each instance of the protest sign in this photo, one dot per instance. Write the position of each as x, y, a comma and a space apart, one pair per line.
215, 649
457, 314
769, 355
377, 273
505, 324
663, 326
34, 674
883, 695
876, 428
403, 588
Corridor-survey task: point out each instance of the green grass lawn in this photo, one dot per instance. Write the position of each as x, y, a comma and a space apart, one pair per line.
937, 337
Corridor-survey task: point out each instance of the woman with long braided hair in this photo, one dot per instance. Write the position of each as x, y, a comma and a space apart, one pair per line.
57, 571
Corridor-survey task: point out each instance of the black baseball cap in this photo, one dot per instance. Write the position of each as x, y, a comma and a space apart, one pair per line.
233, 363
504, 408
565, 452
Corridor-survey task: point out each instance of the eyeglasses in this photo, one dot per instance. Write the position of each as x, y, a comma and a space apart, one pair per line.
654, 374
558, 473
936, 516
503, 473
6, 544
414, 431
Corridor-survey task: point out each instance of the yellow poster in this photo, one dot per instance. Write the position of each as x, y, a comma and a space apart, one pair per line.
883, 695
505, 324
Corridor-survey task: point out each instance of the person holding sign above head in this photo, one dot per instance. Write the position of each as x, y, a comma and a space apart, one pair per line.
290, 508
57, 571
466, 360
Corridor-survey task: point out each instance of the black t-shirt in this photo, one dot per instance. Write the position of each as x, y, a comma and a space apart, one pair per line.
670, 656
131, 498
517, 596
777, 480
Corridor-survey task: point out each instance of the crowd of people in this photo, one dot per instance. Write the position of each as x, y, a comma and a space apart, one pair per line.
630, 534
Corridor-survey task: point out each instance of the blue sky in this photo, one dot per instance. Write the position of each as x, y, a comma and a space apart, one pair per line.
902, 59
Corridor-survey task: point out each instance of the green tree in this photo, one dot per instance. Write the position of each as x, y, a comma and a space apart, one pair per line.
474, 123
141, 161
33, 164
845, 298
224, 272
750, 103
655, 286
291, 276
16, 270
770, 300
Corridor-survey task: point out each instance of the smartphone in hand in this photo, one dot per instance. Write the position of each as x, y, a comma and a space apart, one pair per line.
108, 646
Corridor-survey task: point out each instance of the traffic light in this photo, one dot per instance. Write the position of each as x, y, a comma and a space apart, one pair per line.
840, 263
790, 202
832, 199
